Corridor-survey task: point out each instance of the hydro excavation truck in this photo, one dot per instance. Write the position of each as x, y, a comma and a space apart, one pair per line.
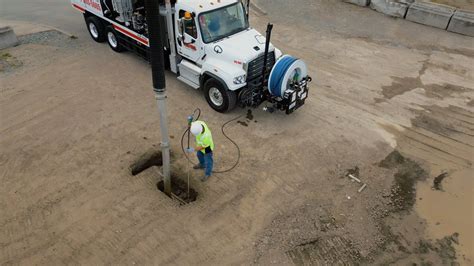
208, 44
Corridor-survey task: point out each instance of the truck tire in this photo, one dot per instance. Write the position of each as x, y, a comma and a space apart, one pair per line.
218, 96
96, 29
113, 40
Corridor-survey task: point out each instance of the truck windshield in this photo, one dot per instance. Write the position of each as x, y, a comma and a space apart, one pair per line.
222, 22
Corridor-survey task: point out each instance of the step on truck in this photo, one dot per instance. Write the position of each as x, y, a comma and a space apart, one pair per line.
208, 44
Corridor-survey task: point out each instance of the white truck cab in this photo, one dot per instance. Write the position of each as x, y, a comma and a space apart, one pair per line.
209, 45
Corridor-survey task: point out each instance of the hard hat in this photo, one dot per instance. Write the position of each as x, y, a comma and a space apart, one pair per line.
187, 16
196, 128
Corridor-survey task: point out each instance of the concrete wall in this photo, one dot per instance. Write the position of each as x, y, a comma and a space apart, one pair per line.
430, 14
394, 8
462, 22
7, 38
426, 13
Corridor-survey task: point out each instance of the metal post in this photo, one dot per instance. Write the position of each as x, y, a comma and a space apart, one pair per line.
165, 142
265, 57
159, 85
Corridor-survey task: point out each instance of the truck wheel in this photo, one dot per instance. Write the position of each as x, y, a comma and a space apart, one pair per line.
96, 29
219, 97
113, 40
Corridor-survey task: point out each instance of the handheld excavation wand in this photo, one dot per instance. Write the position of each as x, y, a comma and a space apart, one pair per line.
190, 121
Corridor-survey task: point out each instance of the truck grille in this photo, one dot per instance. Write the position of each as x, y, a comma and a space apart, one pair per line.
255, 67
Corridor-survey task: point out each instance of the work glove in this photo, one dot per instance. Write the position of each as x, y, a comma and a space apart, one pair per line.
190, 150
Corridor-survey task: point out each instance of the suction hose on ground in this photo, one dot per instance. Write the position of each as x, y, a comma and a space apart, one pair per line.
196, 115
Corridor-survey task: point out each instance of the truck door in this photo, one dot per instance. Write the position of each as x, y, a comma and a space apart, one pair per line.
189, 43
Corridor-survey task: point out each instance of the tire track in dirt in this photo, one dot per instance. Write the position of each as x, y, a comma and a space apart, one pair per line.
333, 250
23, 232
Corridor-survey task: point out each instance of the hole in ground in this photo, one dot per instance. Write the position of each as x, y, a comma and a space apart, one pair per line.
179, 188
146, 160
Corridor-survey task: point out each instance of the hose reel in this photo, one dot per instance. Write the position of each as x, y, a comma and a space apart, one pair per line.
286, 70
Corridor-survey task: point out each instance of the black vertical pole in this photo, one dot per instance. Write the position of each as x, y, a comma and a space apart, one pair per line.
159, 86
156, 47
267, 47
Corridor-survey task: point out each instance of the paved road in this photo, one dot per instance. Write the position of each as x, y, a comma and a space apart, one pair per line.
56, 13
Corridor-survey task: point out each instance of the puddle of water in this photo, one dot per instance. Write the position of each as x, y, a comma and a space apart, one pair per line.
450, 211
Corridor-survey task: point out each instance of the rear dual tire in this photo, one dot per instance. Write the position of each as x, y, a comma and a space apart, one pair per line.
114, 40
101, 33
96, 29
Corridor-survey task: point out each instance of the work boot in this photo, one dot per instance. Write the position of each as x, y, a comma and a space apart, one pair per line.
204, 178
198, 166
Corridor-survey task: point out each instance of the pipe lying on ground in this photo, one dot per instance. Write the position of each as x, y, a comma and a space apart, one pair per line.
355, 178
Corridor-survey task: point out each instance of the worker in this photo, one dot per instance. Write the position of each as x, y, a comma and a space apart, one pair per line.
204, 149
189, 25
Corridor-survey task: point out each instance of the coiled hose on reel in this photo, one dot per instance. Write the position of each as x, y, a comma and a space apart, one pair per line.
285, 70
198, 112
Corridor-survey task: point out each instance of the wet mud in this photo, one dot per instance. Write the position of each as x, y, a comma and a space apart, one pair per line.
249, 115
403, 195
441, 138
437, 182
401, 85
243, 123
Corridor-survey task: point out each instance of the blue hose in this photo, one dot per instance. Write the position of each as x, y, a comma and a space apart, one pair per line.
279, 71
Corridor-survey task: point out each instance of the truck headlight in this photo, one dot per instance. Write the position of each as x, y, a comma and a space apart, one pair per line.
240, 79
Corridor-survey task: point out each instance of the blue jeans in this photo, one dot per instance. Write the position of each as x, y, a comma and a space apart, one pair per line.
206, 161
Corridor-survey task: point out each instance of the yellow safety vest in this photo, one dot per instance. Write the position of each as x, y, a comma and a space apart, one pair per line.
205, 139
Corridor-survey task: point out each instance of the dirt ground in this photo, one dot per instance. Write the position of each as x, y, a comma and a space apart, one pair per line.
392, 104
